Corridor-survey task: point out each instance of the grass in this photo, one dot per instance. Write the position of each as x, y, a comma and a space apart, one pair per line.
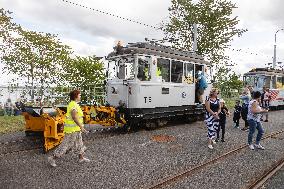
10, 124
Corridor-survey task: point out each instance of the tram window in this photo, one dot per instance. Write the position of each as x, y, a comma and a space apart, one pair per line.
249, 80
121, 72
125, 68
143, 70
176, 72
260, 81
188, 73
274, 82
267, 81
163, 66
279, 83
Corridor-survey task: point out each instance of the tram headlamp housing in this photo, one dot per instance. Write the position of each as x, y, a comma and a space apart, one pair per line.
114, 90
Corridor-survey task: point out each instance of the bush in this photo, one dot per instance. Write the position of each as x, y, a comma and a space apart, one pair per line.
230, 102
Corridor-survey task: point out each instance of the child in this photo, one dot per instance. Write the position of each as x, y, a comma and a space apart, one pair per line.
237, 114
245, 97
266, 100
224, 112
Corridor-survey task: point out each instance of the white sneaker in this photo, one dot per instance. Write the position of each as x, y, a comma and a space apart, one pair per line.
251, 146
213, 141
51, 161
84, 160
258, 146
210, 146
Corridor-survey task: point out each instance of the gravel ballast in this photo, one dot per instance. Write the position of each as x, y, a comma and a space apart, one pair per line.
135, 161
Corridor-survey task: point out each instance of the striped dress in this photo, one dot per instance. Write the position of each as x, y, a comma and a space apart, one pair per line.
212, 123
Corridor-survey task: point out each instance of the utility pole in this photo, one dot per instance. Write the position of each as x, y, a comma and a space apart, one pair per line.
274, 54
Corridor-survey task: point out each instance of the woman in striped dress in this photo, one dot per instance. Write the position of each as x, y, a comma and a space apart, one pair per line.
213, 109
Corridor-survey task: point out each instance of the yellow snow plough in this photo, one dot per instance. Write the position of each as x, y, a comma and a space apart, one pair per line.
49, 122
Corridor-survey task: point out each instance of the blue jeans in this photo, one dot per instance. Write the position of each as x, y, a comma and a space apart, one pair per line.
252, 126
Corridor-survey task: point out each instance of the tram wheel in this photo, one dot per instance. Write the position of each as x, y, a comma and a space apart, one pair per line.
151, 125
129, 128
191, 118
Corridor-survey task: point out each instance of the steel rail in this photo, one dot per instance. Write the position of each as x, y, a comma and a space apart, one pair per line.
259, 182
171, 179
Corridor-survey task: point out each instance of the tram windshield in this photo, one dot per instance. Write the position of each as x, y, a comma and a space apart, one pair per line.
249, 80
263, 81
144, 68
258, 81
280, 82
122, 67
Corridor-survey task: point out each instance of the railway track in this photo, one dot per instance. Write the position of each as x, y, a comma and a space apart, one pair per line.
38, 142
174, 178
31, 140
269, 173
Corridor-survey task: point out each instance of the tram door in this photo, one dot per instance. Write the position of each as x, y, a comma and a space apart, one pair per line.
198, 69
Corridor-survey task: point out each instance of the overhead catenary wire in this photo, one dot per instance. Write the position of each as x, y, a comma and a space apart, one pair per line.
110, 14
146, 25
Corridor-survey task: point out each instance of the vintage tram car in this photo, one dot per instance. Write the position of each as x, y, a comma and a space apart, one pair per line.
272, 79
152, 83
148, 85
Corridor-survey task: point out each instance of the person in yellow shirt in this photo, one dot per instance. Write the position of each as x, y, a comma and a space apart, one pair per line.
73, 127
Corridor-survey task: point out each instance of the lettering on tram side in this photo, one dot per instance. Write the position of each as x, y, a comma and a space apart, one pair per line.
148, 99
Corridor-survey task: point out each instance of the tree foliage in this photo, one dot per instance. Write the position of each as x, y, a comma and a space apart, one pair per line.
35, 56
42, 60
84, 71
228, 82
216, 28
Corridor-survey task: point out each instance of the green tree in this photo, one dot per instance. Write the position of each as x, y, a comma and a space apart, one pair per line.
216, 27
228, 82
41, 60
35, 56
83, 71
86, 73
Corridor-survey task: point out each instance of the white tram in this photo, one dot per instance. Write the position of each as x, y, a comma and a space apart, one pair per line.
155, 83
269, 78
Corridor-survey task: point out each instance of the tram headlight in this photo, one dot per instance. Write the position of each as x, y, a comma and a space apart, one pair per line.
114, 90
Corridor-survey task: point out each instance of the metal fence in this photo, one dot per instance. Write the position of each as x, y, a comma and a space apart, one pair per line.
50, 96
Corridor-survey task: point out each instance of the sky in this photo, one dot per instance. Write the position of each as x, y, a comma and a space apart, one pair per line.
90, 32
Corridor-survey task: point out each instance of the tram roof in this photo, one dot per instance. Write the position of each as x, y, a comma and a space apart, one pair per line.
159, 50
264, 71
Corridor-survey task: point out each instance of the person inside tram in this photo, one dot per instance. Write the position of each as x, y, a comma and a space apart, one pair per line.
143, 71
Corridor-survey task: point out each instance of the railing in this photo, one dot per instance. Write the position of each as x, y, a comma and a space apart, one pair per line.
50, 96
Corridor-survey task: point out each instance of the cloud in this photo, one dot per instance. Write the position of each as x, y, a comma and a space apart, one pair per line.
84, 49
95, 30
90, 32
91, 22
273, 11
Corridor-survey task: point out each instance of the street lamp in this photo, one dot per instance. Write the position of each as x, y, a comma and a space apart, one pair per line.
274, 56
